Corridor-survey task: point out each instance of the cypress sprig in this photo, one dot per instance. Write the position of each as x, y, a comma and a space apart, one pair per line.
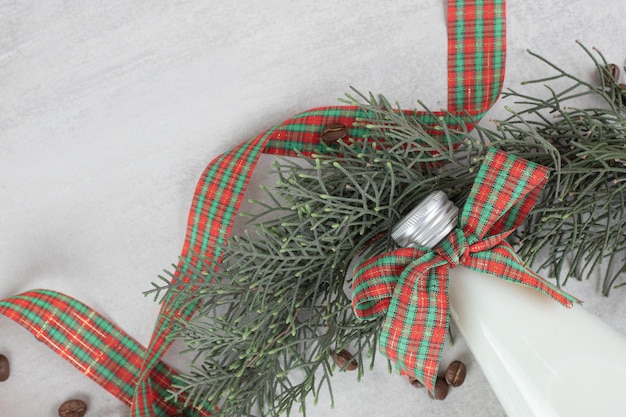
580, 221
269, 319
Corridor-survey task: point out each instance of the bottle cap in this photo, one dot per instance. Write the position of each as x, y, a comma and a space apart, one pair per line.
428, 223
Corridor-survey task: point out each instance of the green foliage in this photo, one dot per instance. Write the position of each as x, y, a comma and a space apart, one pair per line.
270, 318
580, 222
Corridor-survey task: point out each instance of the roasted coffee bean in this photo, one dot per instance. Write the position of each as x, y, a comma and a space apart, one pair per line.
610, 74
416, 382
615, 71
455, 374
5, 368
345, 361
333, 132
380, 236
73, 408
441, 390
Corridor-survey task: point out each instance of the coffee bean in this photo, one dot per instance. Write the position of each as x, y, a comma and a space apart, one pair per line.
622, 89
73, 408
345, 361
416, 382
5, 368
379, 236
455, 374
610, 74
441, 390
333, 132
615, 71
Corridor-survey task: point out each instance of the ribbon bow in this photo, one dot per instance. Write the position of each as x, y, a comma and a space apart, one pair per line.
409, 286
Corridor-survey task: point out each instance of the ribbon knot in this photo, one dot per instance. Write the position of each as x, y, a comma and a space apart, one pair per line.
454, 248
409, 286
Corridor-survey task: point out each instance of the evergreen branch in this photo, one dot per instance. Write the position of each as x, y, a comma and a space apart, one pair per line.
269, 318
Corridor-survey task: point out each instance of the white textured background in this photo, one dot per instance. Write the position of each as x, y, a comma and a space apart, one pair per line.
109, 111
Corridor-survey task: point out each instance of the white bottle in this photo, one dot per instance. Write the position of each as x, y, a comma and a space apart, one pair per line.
541, 358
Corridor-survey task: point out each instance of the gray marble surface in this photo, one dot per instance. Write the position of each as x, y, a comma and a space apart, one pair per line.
110, 110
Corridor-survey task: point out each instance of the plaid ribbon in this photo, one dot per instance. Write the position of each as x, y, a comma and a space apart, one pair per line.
90, 342
409, 286
134, 373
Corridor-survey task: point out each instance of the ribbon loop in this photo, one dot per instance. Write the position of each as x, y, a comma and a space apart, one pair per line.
410, 285
376, 279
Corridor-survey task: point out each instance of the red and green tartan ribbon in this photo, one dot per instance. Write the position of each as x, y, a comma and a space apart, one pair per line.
88, 341
135, 374
409, 286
